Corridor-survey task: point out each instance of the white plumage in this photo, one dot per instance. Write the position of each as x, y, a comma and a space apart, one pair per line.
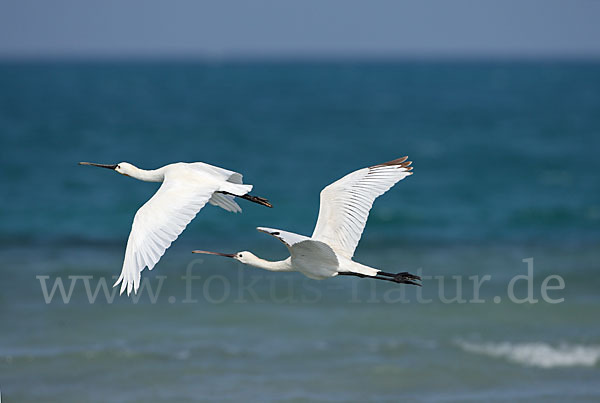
343, 214
185, 189
345, 204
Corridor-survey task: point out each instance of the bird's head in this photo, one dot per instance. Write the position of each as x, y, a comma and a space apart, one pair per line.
124, 168
242, 257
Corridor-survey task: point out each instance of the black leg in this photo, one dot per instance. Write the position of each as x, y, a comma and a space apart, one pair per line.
401, 278
254, 199
349, 273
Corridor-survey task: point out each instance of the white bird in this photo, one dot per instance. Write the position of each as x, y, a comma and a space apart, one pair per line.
185, 189
344, 210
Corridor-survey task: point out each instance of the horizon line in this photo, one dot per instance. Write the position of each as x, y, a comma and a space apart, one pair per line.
305, 57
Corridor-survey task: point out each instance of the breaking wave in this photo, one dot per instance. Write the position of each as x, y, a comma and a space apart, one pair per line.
537, 354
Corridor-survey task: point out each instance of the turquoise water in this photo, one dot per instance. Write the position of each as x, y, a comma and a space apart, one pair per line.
506, 169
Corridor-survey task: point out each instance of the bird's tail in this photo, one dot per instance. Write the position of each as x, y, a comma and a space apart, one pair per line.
357, 268
235, 189
242, 191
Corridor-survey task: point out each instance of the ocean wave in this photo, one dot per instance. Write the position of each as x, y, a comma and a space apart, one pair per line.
537, 354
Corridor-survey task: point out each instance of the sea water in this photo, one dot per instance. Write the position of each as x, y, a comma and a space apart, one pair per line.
505, 184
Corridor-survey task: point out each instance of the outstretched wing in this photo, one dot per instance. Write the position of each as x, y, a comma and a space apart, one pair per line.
289, 239
217, 172
345, 204
159, 222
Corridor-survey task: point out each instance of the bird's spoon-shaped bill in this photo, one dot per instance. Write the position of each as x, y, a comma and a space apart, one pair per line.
109, 166
232, 255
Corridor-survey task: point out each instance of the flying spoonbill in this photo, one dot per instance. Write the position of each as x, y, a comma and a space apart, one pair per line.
345, 206
185, 189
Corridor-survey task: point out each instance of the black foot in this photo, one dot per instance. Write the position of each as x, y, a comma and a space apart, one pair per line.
259, 200
402, 278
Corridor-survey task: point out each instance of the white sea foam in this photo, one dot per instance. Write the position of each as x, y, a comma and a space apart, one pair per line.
540, 355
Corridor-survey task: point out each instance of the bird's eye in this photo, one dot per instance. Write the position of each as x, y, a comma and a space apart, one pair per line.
240, 255
118, 166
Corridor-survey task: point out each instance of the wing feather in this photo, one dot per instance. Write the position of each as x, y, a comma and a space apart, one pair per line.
345, 204
315, 259
289, 239
225, 201
159, 222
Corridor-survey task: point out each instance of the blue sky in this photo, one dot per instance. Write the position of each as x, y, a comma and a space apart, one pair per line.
280, 28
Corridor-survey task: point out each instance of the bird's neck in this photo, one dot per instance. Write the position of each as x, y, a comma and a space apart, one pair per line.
279, 265
154, 175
